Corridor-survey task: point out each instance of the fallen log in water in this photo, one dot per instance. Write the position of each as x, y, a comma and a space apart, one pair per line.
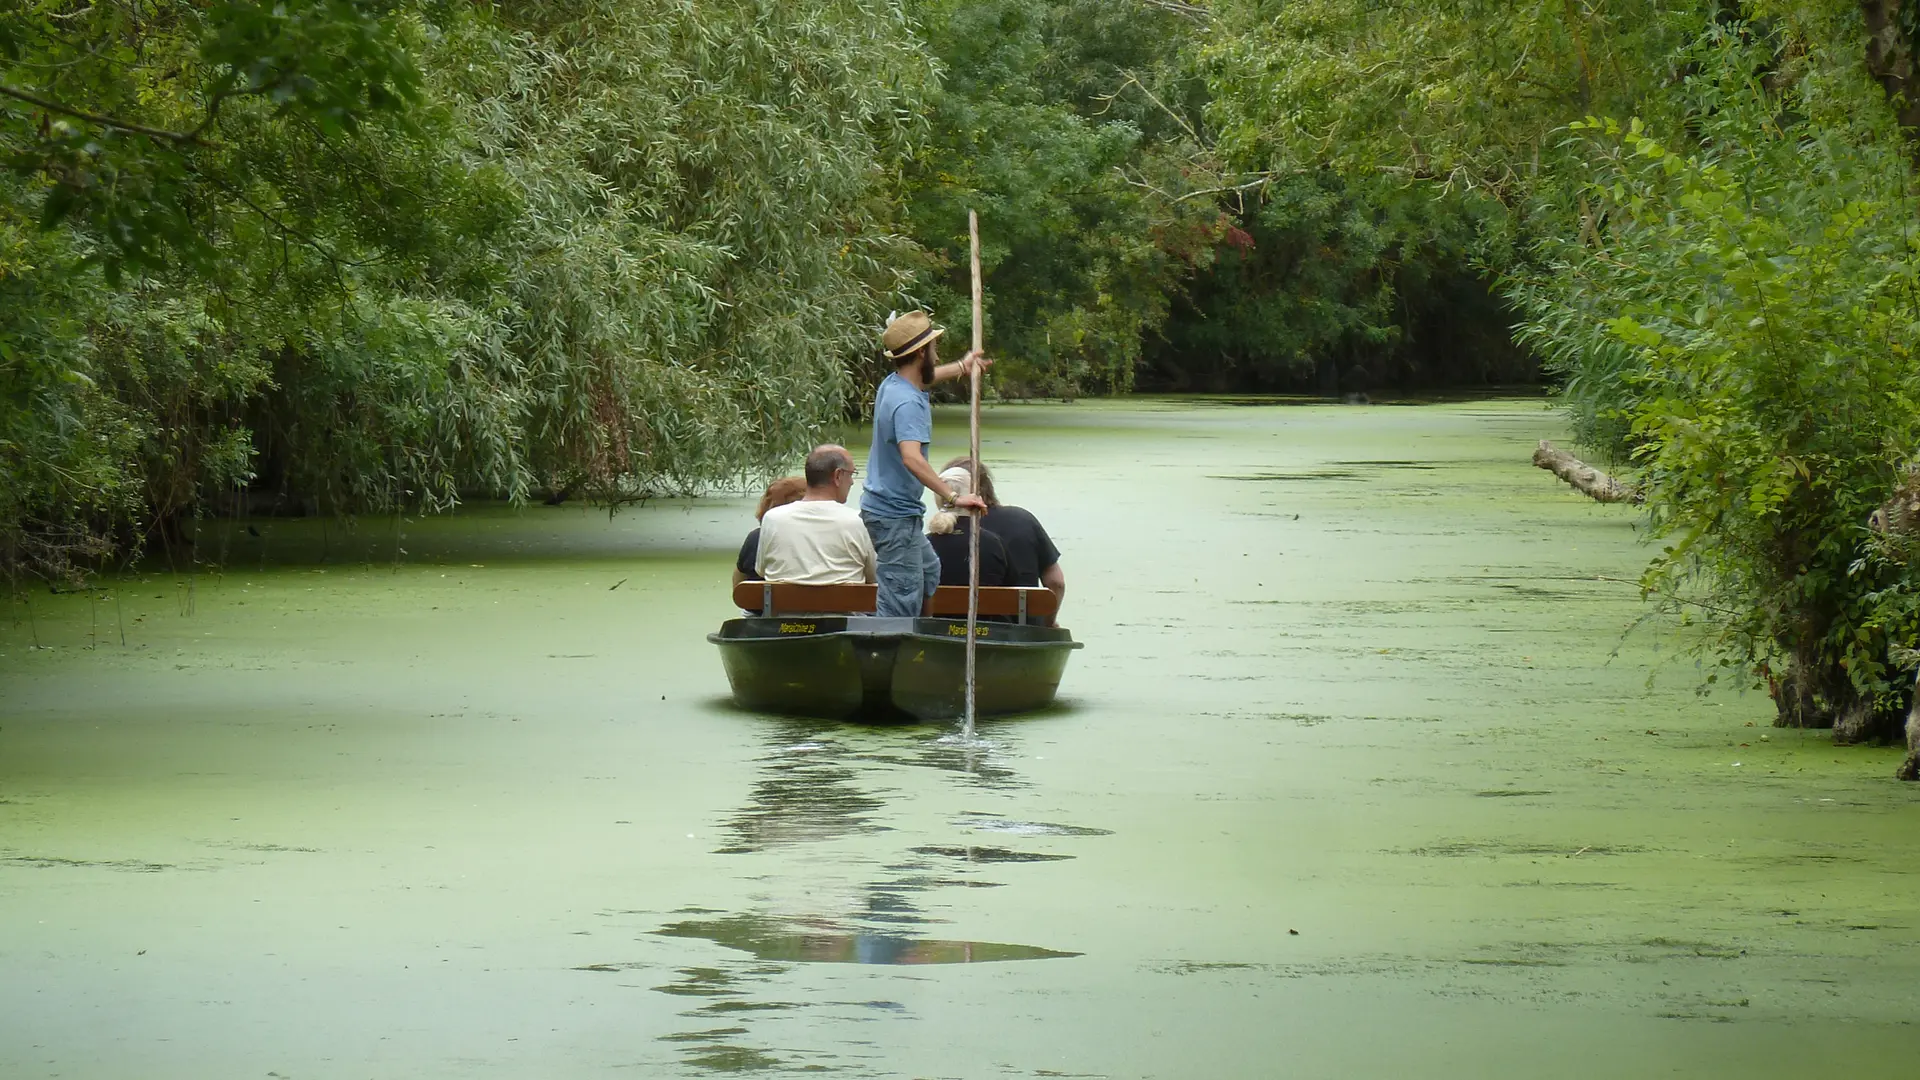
1585, 479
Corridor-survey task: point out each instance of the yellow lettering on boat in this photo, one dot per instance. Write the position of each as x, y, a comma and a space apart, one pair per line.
797, 627
961, 631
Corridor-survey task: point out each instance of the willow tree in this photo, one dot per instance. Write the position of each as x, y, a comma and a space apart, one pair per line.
365, 255
1419, 147
174, 169
706, 234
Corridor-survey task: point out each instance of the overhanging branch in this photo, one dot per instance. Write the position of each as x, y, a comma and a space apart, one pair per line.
191, 138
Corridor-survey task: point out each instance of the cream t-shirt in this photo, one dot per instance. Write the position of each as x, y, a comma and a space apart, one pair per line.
815, 542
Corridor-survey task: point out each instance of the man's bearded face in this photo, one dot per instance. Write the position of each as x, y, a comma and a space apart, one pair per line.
929, 358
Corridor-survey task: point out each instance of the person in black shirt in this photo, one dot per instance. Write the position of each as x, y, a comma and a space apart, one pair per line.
779, 493
948, 530
1031, 557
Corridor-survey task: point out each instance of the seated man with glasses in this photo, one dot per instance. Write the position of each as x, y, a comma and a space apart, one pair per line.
819, 540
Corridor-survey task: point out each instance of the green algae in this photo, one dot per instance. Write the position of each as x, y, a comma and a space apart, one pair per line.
1354, 779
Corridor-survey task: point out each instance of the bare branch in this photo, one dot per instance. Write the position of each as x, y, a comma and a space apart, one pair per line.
334, 261
187, 137
1188, 10
1134, 81
1259, 180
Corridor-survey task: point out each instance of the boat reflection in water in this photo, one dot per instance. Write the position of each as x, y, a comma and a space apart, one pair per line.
841, 789
821, 942
809, 789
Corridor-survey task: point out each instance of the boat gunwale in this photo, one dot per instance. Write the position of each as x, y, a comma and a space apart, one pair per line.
896, 635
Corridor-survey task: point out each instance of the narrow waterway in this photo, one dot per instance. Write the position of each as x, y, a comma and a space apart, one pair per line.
1359, 775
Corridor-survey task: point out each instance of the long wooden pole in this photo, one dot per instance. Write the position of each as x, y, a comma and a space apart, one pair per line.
973, 418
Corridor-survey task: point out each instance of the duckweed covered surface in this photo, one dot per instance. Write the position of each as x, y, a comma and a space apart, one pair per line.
1349, 781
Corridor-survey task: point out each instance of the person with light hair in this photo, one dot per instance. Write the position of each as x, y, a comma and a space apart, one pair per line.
818, 540
948, 531
1033, 559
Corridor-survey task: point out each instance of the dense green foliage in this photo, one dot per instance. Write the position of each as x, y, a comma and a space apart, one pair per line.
190, 188
1335, 285
1122, 247
360, 257
1070, 125
702, 234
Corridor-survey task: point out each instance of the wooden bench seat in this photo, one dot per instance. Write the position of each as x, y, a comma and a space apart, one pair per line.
771, 598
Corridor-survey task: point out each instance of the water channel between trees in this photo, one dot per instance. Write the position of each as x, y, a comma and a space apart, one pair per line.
1357, 776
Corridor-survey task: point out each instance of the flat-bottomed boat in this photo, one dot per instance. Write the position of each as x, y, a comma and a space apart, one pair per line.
813, 650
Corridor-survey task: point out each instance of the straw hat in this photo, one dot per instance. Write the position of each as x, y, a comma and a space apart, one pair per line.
908, 332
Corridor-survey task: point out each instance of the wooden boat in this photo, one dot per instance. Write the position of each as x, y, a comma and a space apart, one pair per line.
814, 650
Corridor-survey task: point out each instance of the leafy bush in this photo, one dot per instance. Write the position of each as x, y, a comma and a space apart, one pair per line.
1765, 287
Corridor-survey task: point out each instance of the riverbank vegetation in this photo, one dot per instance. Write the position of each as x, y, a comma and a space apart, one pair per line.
372, 256
1703, 215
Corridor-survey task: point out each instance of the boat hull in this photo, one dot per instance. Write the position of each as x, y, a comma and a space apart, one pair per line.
871, 668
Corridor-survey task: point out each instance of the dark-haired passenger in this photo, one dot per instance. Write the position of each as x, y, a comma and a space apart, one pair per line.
779, 493
1031, 556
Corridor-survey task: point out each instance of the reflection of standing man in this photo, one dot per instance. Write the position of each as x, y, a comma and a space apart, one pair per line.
897, 467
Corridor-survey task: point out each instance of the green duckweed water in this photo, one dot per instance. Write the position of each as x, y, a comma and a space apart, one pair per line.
1347, 783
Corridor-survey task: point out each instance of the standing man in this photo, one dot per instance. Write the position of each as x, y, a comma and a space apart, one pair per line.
897, 467
818, 540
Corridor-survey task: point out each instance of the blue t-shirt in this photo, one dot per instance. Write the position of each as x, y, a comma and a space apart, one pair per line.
901, 410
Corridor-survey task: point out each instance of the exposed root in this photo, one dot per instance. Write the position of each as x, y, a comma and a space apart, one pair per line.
1910, 768
1857, 722
1899, 517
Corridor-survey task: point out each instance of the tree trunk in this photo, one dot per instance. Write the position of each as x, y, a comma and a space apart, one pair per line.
1805, 698
1585, 479
1910, 768
1793, 701
1890, 58
1857, 721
